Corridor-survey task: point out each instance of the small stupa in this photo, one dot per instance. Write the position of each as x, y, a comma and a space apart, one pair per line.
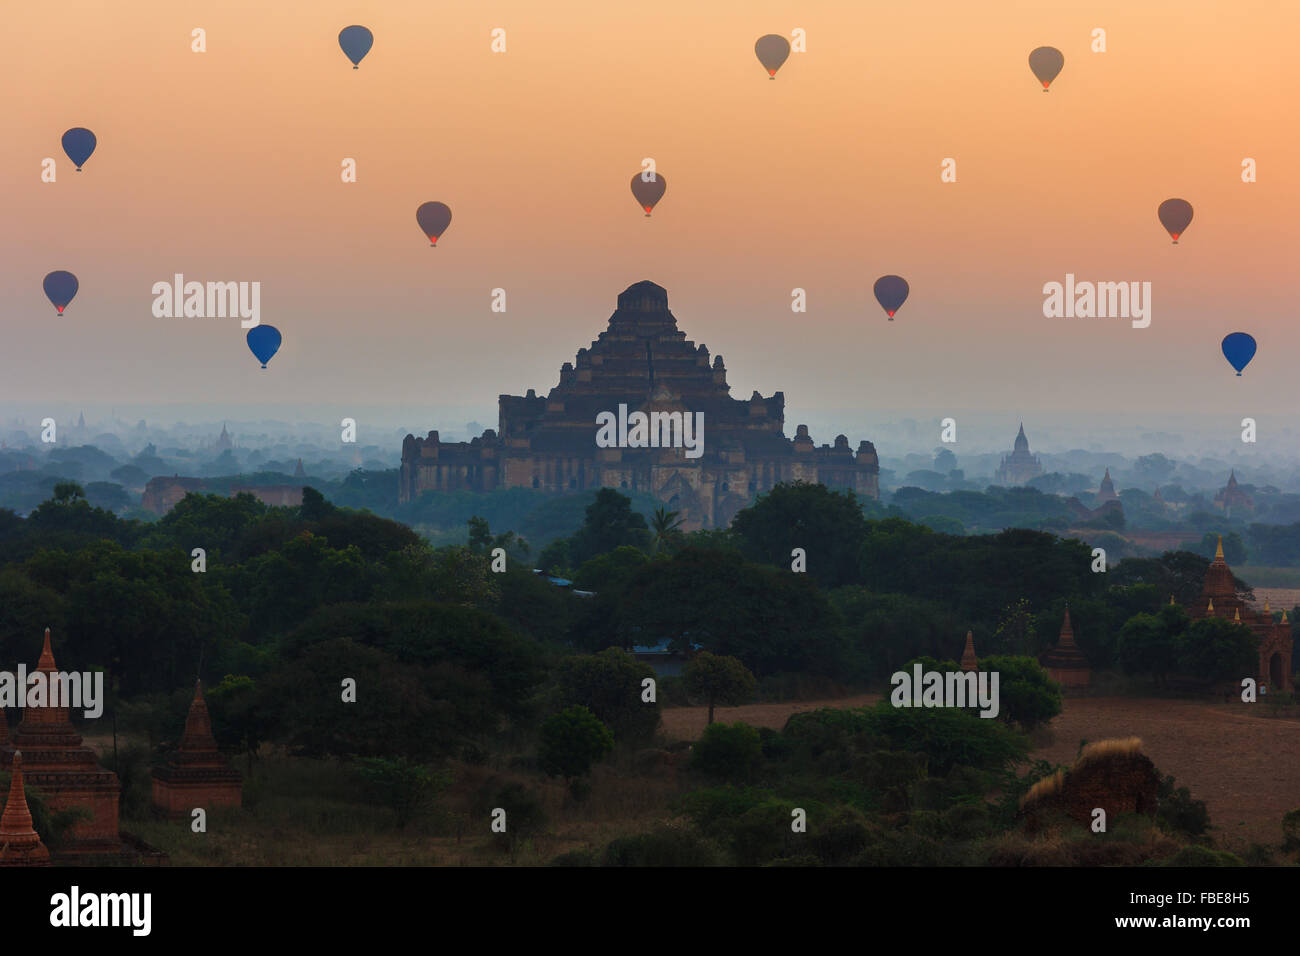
1065, 663
196, 774
20, 845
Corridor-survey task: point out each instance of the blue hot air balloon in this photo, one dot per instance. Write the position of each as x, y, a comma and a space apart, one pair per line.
60, 287
891, 293
79, 143
1239, 349
264, 342
356, 43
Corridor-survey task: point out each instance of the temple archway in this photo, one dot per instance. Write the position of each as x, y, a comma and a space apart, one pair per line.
1276, 677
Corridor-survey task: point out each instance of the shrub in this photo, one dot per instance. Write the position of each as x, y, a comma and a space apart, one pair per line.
572, 741
840, 839
1178, 812
728, 752
406, 788
1291, 829
1201, 856
665, 846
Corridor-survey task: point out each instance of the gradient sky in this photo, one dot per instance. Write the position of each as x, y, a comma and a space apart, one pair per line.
225, 166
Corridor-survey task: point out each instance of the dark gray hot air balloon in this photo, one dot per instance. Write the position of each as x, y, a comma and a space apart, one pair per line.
772, 51
648, 193
1176, 216
434, 218
891, 293
1046, 62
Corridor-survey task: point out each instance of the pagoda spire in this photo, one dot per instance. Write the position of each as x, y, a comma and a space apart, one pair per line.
968, 660
1067, 632
1218, 550
1210, 609
20, 844
1236, 614
46, 661
198, 725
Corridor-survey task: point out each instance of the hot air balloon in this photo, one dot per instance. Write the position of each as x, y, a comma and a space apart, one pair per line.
434, 218
79, 143
891, 293
772, 51
648, 192
1046, 62
264, 342
356, 43
1238, 349
1176, 216
60, 287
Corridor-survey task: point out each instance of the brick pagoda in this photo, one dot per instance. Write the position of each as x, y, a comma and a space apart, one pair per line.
1219, 599
1065, 663
196, 774
19, 843
55, 761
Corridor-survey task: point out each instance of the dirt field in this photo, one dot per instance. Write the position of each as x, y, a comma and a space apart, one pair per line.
1246, 768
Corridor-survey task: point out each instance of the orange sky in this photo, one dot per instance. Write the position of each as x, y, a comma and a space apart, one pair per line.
225, 166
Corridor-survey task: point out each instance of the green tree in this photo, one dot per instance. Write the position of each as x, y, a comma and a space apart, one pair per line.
408, 789
1016, 632
1150, 643
482, 541
1027, 696
719, 680
1216, 649
571, 741
609, 685
610, 522
827, 524
238, 723
774, 621
664, 527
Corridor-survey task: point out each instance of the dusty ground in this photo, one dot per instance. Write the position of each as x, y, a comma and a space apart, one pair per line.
1246, 768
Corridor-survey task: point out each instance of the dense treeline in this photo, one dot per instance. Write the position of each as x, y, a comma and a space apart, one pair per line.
299, 597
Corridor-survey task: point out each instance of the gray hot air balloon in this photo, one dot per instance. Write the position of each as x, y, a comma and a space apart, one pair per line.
772, 51
1175, 216
434, 218
1046, 62
648, 192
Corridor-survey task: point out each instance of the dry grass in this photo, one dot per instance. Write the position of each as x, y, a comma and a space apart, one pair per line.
1106, 749
1043, 788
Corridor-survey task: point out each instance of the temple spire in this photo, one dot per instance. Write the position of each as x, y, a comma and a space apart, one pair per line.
46, 661
968, 660
198, 725
1210, 609
1067, 632
1218, 551
20, 844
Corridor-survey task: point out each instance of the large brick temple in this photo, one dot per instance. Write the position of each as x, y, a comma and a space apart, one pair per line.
642, 361
1219, 599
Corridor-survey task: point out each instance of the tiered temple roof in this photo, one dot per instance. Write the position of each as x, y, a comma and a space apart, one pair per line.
57, 763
